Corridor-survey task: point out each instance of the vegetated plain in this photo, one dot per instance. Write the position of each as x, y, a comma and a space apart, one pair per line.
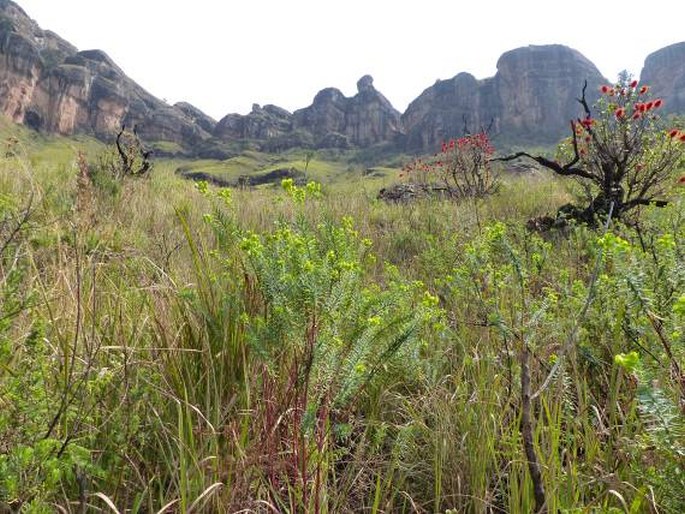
173, 347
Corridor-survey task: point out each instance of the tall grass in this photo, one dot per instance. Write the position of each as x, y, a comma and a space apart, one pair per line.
169, 349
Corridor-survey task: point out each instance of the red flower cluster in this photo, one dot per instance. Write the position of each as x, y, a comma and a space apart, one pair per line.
611, 90
467, 147
677, 134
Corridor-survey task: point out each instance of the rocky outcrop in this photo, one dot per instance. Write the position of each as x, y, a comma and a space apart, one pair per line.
537, 88
446, 109
530, 99
202, 120
261, 123
332, 121
49, 85
366, 119
664, 71
326, 115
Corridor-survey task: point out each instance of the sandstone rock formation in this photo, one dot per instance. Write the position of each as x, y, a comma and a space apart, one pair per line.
332, 121
664, 71
366, 119
446, 110
530, 99
49, 85
262, 123
202, 120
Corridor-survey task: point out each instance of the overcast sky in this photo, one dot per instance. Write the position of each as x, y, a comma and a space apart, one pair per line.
223, 56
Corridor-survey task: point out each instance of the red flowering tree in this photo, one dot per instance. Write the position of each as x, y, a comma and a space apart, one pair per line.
463, 166
621, 151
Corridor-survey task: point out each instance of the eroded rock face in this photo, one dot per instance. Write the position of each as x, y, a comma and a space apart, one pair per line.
531, 98
664, 71
325, 115
46, 83
365, 119
262, 123
537, 88
445, 110
332, 121
204, 121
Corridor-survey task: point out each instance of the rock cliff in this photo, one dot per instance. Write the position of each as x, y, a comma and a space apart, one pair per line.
262, 123
530, 99
47, 84
366, 119
664, 71
333, 120
51, 86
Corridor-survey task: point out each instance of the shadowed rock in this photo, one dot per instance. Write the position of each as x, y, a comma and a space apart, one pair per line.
366, 119
532, 98
664, 71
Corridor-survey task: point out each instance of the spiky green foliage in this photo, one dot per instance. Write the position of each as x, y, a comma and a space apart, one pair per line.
311, 349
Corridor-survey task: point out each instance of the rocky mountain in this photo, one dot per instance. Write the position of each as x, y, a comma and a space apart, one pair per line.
530, 99
51, 86
664, 71
365, 119
332, 121
47, 84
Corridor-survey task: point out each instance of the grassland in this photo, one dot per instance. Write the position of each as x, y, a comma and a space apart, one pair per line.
320, 166
169, 348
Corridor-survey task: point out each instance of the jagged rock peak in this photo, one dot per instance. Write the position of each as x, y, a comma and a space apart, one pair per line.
329, 95
366, 119
365, 84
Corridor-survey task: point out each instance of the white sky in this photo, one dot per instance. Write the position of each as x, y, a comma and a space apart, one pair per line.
223, 56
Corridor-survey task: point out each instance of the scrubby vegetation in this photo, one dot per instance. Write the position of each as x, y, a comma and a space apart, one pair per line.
170, 347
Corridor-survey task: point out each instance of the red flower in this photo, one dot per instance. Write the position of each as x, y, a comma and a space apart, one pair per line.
643, 90
649, 106
636, 116
681, 180
640, 107
658, 103
682, 138
620, 113
673, 133
633, 84
605, 89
